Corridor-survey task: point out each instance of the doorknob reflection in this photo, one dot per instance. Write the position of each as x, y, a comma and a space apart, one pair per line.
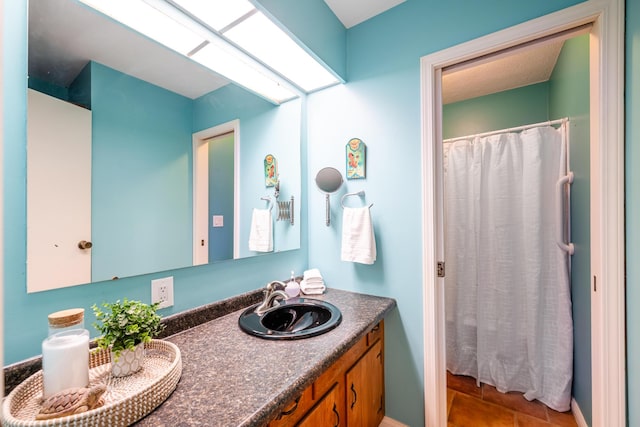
83, 244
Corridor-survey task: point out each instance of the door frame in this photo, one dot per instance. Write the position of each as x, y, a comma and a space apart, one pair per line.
201, 189
607, 200
1, 200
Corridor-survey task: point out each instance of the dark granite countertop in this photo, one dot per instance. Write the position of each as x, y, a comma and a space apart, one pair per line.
230, 378
18, 372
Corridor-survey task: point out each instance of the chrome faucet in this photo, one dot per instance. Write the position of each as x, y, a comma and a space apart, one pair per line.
271, 293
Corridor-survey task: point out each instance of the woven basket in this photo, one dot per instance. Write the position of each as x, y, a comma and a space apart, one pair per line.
127, 399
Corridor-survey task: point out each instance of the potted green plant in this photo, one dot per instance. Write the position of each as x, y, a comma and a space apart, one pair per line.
125, 327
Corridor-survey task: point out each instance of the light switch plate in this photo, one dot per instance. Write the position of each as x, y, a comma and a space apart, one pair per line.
218, 220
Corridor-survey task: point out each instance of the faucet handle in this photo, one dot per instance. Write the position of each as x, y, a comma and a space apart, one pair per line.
275, 285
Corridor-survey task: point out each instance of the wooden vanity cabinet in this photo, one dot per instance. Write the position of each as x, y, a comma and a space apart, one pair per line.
348, 394
328, 412
365, 389
292, 413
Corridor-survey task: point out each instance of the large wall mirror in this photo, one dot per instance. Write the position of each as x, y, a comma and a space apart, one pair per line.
118, 129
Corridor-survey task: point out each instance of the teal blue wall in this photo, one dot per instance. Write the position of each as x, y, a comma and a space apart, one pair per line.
496, 111
569, 97
26, 314
49, 88
141, 134
632, 198
221, 198
80, 88
79, 92
380, 104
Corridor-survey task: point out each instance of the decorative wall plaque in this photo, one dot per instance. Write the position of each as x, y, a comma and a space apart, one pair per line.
270, 171
356, 152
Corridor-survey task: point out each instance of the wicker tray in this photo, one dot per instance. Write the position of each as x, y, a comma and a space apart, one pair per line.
127, 399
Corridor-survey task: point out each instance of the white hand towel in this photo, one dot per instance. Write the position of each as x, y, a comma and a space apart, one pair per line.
312, 289
312, 277
261, 233
358, 240
312, 273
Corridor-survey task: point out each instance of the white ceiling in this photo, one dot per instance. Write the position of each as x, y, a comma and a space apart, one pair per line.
353, 12
64, 35
517, 69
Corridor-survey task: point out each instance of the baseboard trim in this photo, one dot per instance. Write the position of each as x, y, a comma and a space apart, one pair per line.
577, 414
390, 422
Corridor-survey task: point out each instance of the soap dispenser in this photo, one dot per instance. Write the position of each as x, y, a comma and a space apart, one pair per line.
293, 288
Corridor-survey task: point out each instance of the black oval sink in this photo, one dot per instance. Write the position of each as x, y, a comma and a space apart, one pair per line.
292, 319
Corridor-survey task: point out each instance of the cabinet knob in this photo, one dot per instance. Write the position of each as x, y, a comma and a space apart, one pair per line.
335, 411
83, 244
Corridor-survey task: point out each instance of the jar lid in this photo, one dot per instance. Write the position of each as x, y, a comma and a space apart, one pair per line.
66, 317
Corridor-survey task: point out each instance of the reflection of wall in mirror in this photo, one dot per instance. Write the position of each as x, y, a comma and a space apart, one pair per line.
142, 218
264, 128
142, 166
140, 172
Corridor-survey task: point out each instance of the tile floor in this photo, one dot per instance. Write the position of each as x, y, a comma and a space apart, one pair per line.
484, 406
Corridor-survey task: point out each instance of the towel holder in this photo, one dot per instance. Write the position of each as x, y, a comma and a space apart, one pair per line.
285, 211
355, 193
268, 199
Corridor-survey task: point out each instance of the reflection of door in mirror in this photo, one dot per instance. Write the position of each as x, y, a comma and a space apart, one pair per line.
59, 193
221, 197
215, 152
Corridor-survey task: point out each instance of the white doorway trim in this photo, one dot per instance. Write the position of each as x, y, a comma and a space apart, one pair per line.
1, 201
607, 200
201, 189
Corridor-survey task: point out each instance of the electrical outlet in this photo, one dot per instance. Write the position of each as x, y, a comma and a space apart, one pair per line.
162, 292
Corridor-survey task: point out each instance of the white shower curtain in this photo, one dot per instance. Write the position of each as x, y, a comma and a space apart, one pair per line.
508, 301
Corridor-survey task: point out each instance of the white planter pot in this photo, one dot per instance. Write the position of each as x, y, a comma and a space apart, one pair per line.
129, 362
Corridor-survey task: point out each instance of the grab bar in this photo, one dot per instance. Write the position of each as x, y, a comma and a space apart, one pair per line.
560, 235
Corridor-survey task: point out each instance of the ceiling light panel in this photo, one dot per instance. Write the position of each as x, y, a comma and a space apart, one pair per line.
216, 13
267, 42
151, 22
222, 62
163, 22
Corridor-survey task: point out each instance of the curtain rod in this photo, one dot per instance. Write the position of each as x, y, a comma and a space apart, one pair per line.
514, 129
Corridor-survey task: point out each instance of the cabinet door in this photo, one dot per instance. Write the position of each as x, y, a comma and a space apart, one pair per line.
329, 412
365, 389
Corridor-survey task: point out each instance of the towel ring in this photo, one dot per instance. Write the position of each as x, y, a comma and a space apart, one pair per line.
268, 199
355, 193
